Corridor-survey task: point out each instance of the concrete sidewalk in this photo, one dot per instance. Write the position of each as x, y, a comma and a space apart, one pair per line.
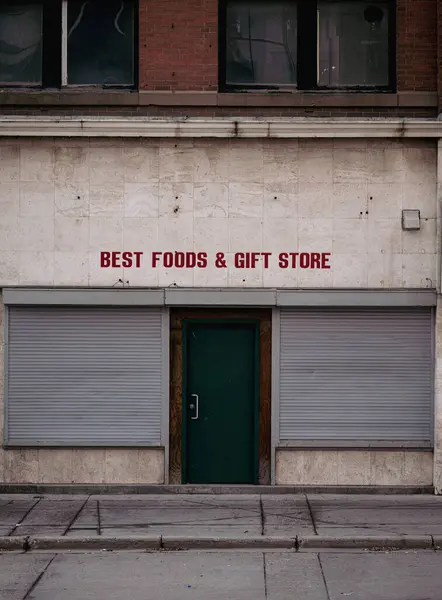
177, 522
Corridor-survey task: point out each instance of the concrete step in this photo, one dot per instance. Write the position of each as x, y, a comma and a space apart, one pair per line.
10, 488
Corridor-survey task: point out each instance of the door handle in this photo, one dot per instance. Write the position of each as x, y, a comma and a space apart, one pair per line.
196, 407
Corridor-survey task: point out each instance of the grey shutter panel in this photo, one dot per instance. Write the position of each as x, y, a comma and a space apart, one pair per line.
84, 376
358, 374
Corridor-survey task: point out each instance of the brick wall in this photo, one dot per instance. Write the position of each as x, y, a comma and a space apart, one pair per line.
179, 52
417, 45
439, 52
178, 44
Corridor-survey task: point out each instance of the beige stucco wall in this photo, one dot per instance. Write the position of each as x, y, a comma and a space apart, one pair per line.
63, 201
354, 467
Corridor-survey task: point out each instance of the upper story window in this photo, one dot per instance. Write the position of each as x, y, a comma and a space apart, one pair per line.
261, 44
68, 43
307, 44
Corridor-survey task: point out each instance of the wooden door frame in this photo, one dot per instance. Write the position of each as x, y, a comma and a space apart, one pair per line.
177, 316
254, 323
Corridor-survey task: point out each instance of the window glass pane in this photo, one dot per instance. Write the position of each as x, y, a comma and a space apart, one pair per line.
261, 43
21, 44
100, 48
353, 43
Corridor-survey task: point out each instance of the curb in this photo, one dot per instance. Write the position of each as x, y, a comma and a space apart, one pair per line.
176, 543
437, 542
95, 543
369, 542
170, 542
12, 543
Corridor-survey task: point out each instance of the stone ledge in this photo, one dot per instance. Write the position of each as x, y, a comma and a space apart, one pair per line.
296, 98
238, 128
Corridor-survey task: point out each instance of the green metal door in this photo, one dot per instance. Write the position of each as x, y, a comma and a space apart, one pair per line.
220, 403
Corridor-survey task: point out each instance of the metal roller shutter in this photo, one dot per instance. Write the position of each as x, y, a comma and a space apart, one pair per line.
84, 376
358, 374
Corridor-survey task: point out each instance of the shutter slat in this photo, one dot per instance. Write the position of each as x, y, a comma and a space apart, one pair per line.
84, 375
356, 374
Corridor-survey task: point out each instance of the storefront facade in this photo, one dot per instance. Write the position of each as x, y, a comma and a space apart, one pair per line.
211, 308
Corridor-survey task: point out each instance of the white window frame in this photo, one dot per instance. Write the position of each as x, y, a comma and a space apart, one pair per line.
64, 43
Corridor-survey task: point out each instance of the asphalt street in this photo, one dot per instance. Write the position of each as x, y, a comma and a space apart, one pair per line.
228, 575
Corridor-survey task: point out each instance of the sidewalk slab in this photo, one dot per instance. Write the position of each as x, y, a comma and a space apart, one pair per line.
286, 515
376, 515
13, 511
38, 530
18, 572
184, 530
236, 516
50, 516
223, 575
294, 576
213, 515
386, 576
168, 576
54, 514
88, 517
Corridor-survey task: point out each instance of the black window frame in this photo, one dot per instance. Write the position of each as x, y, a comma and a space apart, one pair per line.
306, 53
52, 59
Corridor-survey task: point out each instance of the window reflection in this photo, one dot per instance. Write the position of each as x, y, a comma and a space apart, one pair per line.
353, 44
100, 47
21, 44
261, 44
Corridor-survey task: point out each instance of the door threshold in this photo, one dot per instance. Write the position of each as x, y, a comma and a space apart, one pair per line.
135, 489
